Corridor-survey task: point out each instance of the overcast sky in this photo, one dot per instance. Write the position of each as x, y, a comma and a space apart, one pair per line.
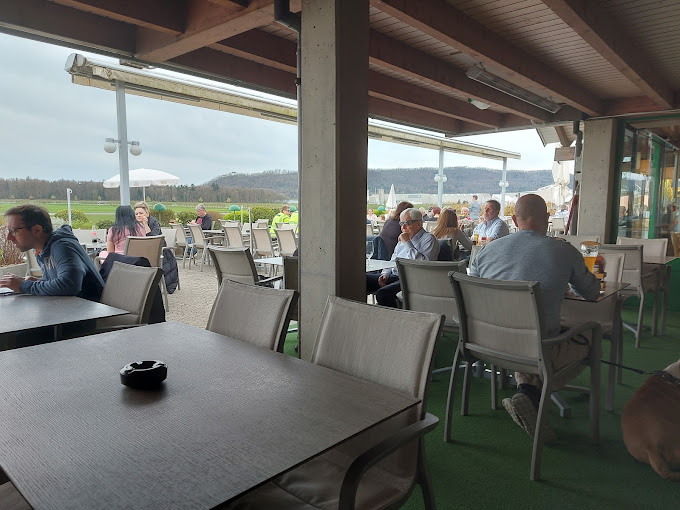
51, 129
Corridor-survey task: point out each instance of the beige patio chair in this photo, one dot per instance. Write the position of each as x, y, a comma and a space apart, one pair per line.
32, 266
608, 314
378, 468
254, 314
654, 248
233, 236
287, 241
236, 264
640, 284
130, 288
290, 281
476, 248
151, 248
181, 242
263, 246
513, 337
200, 242
369, 229
558, 225
170, 237
576, 240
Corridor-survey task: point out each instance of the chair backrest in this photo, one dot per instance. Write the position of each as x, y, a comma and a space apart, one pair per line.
653, 247
32, 266
197, 238
558, 224
476, 248
149, 247
290, 273
369, 229
84, 236
632, 264
261, 223
576, 241
430, 225
501, 320
234, 264
170, 237
254, 314
382, 345
425, 286
263, 242
180, 234
675, 237
613, 266
130, 288
232, 233
287, 242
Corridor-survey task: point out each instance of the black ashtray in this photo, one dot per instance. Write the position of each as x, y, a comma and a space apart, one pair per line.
144, 375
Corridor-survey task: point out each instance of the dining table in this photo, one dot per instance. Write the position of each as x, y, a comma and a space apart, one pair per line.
229, 417
371, 264
20, 312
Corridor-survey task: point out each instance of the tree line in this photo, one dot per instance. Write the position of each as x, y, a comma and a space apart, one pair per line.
39, 189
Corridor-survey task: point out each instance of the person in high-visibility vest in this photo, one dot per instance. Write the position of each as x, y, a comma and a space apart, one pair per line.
294, 215
282, 217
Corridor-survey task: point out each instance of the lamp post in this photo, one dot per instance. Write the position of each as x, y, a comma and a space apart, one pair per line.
68, 202
504, 184
110, 145
440, 178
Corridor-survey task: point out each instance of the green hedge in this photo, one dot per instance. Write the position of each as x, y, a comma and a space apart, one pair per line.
185, 217
261, 212
236, 215
107, 224
77, 218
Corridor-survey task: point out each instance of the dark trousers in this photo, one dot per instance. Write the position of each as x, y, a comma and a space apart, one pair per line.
387, 295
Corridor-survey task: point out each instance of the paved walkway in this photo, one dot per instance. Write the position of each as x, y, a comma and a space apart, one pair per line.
192, 302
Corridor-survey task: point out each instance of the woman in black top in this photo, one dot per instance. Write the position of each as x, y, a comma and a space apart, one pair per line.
391, 229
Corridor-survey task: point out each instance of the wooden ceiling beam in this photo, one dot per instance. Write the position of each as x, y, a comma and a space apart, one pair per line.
160, 15
445, 23
69, 27
391, 54
631, 105
393, 112
595, 27
268, 49
207, 23
562, 136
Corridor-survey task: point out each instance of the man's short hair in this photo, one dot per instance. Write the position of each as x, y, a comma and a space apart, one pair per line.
413, 214
200, 207
32, 215
475, 197
495, 203
285, 208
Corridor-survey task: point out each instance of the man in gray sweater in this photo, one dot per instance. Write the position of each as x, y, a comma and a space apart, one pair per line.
532, 256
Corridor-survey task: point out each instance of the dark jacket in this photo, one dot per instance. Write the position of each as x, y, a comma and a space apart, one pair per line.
170, 271
67, 269
155, 227
206, 223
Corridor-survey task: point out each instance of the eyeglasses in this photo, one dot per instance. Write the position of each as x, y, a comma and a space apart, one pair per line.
14, 230
407, 222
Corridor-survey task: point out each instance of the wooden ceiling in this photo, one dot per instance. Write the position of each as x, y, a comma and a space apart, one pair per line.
596, 58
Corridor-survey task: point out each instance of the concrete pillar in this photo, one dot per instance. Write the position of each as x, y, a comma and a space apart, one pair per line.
334, 157
598, 164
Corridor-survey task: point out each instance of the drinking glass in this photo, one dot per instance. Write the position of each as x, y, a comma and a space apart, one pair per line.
589, 250
369, 249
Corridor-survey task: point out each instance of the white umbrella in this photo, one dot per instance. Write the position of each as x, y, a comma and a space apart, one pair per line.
143, 177
562, 178
391, 199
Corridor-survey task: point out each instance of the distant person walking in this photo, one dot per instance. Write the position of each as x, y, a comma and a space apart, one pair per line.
475, 208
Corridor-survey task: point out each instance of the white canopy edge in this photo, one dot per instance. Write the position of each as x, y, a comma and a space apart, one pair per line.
143, 83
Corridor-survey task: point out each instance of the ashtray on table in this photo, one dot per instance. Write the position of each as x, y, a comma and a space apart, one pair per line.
144, 374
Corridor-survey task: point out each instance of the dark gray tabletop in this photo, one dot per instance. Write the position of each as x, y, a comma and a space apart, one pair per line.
19, 312
610, 289
231, 416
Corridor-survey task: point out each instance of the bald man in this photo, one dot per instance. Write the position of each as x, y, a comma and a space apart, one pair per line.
532, 256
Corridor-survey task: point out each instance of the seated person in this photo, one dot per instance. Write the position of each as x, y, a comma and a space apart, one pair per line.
447, 228
126, 225
202, 218
492, 227
530, 255
280, 217
563, 212
413, 243
465, 213
391, 229
143, 216
436, 211
67, 270
371, 217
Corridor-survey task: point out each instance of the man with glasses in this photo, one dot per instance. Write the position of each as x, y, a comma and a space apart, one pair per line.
67, 270
413, 243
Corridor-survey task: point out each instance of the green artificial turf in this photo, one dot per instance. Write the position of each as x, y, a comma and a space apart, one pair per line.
487, 465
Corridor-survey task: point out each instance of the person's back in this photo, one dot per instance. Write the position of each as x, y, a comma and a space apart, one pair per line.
475, 210
119, 237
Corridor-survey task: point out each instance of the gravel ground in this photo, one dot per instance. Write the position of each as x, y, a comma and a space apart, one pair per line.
192, 302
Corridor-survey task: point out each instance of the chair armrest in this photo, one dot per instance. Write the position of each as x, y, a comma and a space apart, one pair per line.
581, 328
269, 280
375, 454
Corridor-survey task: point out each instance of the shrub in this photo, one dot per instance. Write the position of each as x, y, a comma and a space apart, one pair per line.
186, 216
9, 253
236, 215
509, 209
77, 216
107, 224
215, 215
164, 217
261, 212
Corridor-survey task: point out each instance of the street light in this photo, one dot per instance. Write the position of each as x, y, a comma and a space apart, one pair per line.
68, 201
110, 146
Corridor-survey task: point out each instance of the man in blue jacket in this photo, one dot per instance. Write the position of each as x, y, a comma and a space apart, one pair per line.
67, 270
